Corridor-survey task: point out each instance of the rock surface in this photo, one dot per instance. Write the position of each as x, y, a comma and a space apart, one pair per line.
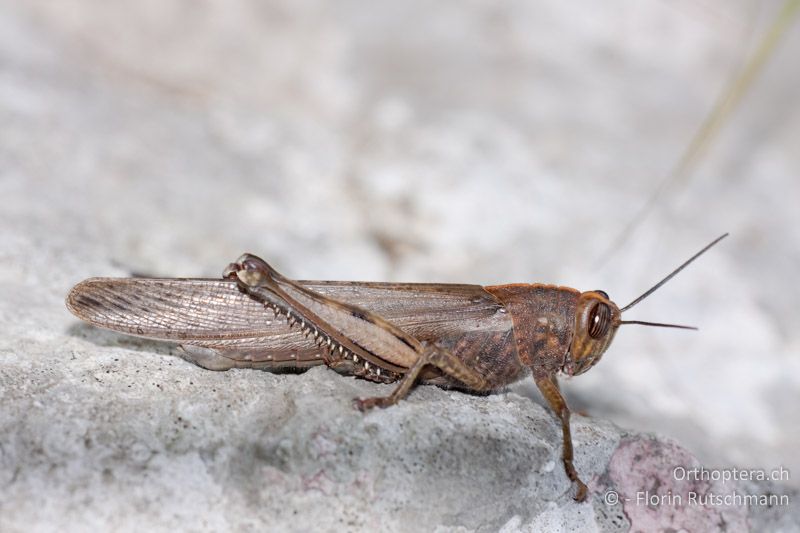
109, 434
479, 143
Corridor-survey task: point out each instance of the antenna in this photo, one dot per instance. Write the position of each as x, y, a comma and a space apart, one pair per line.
659, 324
652, 289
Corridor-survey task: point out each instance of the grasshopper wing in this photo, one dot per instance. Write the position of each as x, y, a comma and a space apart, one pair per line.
221, 327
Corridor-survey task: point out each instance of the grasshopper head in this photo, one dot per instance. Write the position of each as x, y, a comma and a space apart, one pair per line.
596, 321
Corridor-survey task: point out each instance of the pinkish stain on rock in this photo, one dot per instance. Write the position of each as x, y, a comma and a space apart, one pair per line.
656, 497
319, 482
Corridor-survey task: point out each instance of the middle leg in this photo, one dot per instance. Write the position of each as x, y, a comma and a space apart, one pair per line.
440, 358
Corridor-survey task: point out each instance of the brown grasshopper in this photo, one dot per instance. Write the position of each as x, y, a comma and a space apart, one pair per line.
468, 337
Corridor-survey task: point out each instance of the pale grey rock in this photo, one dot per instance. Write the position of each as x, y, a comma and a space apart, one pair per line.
103, 432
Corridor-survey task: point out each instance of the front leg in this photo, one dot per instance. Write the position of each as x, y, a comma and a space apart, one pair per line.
549, 388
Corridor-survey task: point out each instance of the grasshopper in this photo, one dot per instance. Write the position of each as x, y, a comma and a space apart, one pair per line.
469, 337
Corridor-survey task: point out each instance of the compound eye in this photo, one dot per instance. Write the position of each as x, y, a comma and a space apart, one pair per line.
599, 320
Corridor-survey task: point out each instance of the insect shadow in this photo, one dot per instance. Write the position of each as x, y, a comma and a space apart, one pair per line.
109, 339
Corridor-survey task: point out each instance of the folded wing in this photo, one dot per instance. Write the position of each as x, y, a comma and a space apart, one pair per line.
213, 314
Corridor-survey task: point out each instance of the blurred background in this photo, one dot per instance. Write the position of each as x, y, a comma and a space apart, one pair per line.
474, 142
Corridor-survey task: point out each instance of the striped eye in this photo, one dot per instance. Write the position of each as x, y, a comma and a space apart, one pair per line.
599, 320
